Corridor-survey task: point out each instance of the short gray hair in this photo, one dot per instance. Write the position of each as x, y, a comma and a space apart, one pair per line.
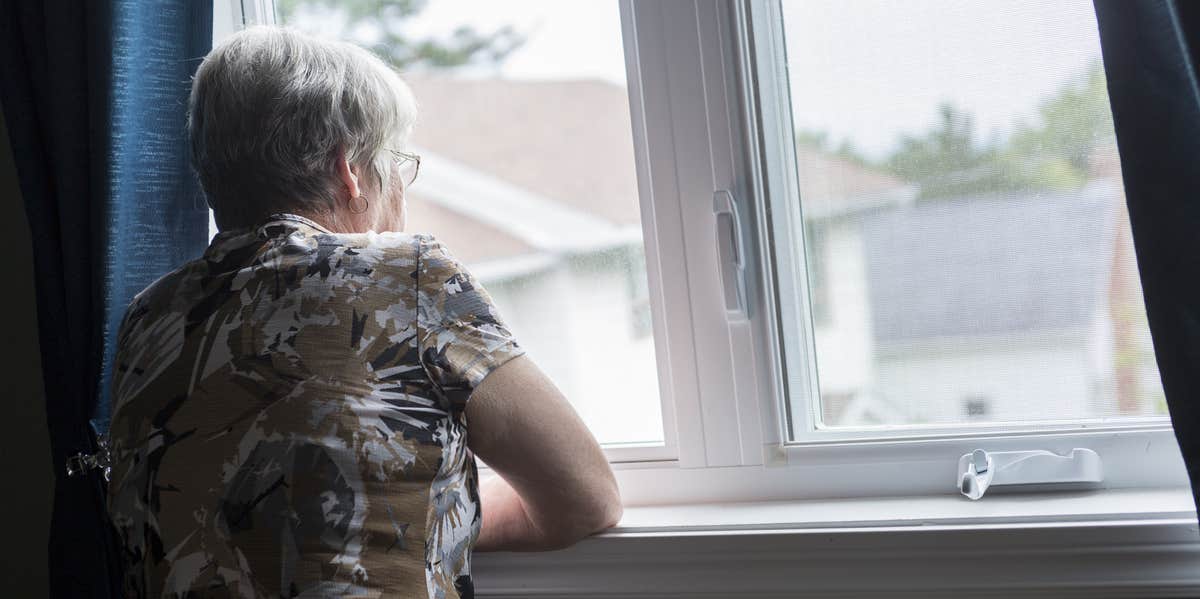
269, 109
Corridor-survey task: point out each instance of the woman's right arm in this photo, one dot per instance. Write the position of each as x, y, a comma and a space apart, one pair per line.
555, 486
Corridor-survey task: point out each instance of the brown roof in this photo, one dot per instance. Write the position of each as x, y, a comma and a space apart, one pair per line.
468, 239
1105, 163
570, 141
831, 185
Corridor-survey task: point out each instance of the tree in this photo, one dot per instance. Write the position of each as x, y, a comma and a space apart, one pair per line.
947, 161
385, 19
1053, 154
1075, 123
819, 140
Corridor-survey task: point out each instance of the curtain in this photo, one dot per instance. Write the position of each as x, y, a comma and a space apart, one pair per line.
1150, 53
94, 95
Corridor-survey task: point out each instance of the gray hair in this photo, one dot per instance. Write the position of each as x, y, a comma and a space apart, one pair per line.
269, 109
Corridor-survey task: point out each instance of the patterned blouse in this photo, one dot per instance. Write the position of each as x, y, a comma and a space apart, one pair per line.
289, 418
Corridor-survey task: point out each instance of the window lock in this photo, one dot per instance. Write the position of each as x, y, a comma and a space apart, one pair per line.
981, 470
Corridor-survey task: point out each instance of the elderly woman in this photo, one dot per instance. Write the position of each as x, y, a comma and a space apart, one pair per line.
296, 412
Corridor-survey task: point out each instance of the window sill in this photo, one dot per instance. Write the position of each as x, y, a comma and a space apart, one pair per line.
1118, 543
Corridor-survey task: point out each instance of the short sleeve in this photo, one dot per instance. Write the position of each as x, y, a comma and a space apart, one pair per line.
462, 337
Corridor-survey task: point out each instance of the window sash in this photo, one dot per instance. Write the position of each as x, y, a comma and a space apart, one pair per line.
233, 15
801, 398
700, 89
714, 114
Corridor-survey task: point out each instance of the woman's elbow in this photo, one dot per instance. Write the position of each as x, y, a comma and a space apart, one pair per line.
606, 511
611, 512
605, 506
601, 512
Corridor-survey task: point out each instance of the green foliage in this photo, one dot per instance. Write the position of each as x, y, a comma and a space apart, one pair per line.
819, 140
385, 20
948, 161
1074, 123
1052, 154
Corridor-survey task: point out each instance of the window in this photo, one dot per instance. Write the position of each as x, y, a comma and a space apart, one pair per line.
974, 208
639, 296
802, 173
975, 407
817, 263
829, 248
527, 174
897, 193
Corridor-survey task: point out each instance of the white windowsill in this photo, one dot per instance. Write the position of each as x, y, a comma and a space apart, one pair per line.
1117, 543
877, 512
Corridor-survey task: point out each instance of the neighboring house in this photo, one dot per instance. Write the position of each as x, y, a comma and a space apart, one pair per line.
995, 307
532, 185
835, 194
1005, 307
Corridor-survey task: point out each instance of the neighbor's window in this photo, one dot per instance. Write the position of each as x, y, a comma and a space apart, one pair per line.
527, 175
968, 248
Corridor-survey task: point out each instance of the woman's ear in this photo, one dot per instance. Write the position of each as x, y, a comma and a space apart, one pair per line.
348, 176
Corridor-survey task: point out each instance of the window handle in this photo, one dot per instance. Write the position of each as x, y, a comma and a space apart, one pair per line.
981, 470
731, 252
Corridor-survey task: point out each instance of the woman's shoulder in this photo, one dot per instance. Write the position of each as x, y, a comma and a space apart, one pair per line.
419, 253
395, 242
424, 248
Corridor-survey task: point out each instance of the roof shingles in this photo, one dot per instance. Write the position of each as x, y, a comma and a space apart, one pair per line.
989, 265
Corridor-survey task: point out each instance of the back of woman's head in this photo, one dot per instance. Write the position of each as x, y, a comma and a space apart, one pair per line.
271, 107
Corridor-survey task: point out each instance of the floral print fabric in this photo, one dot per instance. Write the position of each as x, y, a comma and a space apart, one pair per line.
289, 418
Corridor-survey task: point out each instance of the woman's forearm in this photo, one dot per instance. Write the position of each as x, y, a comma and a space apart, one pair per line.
508, 524
551, 484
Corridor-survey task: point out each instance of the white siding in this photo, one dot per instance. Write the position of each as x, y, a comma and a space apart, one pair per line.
576, 324
844, 343
1020, 381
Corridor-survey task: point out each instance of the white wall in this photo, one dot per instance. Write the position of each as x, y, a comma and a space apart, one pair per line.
1021, 377
576, 323
534, 308
1022, 380
844, 344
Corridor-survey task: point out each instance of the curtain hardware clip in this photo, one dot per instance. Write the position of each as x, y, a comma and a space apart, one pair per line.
80, 463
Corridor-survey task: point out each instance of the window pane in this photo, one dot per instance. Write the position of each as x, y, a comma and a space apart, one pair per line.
527, 175
968, 249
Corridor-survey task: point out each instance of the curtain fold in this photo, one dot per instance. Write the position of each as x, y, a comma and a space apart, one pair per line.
1150, 50
94, 95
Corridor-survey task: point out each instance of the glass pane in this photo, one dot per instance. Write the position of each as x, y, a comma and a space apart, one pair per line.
527, 174
968, 249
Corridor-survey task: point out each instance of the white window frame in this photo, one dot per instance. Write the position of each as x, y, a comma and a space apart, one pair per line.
773, 111
728, 506
704, 99
230, 16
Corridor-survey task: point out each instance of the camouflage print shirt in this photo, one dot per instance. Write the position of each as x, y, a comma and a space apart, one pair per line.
289, 418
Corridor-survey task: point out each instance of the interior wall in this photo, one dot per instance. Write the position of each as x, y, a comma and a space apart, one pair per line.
27, 490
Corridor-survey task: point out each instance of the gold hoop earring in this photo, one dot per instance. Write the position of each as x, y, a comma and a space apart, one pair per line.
365, 204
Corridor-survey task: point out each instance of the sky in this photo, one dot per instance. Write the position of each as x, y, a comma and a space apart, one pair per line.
868, 70
862, 70
569, 39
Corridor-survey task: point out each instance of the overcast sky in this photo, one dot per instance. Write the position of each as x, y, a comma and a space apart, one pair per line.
864, 70
869, 69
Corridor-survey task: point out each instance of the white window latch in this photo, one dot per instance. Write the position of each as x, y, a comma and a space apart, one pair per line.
981, 470
732, 253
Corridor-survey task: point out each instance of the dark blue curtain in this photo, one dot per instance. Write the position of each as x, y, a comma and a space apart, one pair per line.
1150, 56
95, 95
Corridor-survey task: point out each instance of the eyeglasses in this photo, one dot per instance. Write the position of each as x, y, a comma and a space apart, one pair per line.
409, 164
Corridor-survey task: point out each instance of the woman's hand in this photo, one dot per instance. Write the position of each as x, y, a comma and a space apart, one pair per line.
554, 485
